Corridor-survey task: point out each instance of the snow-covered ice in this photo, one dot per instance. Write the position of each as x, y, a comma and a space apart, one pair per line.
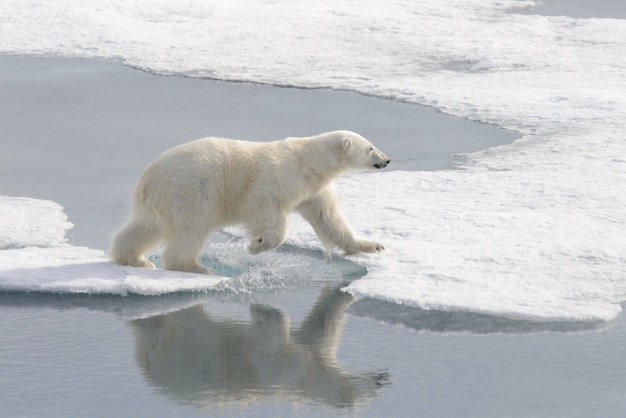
529, 230
34, 256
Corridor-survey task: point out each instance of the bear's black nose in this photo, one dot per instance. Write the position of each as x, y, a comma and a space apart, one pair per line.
382, 165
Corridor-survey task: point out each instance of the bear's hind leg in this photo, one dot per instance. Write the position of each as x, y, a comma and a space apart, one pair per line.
132, 241
182, 250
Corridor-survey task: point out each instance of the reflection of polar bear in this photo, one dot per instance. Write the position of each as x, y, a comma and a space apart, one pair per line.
201, 360
196, 187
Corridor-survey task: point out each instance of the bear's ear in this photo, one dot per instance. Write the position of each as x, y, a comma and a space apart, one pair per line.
346, 143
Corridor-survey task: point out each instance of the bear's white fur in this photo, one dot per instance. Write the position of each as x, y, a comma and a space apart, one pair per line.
197, 187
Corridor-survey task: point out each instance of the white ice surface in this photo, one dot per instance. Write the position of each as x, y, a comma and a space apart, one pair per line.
533, 229
29, 222
38, 258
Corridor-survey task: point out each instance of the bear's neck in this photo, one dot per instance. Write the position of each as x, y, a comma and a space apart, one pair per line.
319, 166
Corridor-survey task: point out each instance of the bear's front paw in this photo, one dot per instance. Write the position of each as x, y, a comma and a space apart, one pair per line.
365, 246
257, 245
266, 242
372, 247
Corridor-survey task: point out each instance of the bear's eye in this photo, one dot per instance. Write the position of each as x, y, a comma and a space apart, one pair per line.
371, 149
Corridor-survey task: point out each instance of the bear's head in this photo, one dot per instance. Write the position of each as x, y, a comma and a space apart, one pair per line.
360, 154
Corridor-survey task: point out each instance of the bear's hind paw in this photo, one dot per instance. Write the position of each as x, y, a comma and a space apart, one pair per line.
140, 262
190, 268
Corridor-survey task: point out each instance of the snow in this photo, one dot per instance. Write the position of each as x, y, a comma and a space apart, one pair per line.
38, 258
19, 228
529, 230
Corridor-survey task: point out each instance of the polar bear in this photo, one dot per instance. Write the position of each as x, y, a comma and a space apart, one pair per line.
197, 187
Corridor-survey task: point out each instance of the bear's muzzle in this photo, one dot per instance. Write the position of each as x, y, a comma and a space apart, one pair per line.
383, 164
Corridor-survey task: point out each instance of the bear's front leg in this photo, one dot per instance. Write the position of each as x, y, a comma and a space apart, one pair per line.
331, 226
271, 232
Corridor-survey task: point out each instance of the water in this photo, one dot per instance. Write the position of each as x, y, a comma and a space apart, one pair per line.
85, 355
521, 243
